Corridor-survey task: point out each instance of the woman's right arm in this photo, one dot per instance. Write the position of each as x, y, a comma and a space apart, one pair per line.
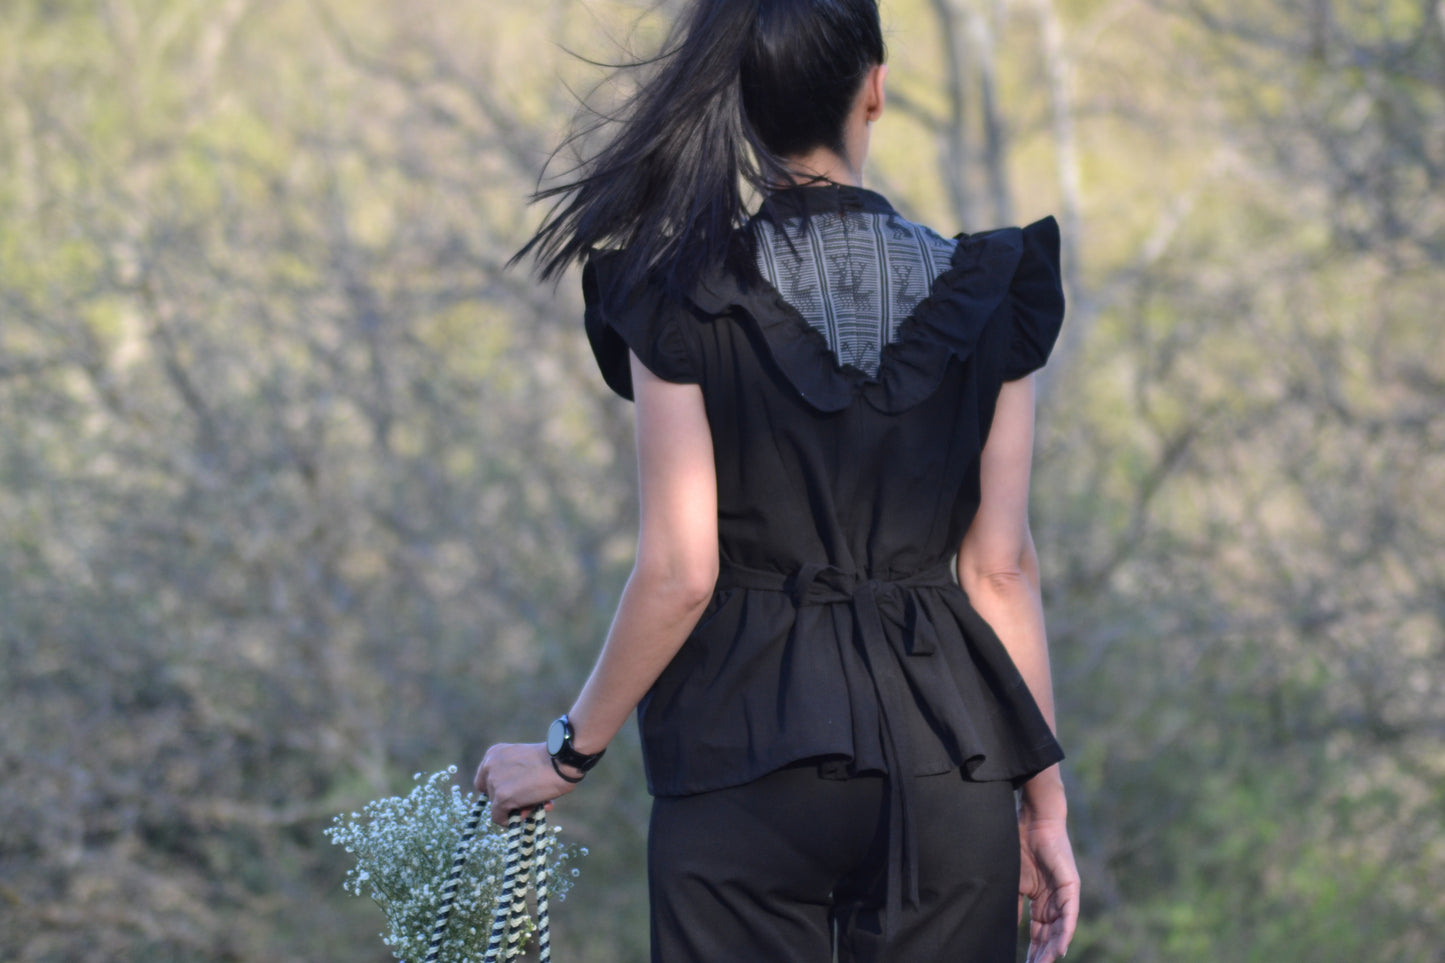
672, 581
677, 556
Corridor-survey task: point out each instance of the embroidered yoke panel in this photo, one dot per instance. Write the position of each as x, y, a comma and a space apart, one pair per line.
854, 276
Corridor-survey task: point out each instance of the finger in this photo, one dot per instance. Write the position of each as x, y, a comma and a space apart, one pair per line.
1053, 941
1042, 953
1042, 946
1070, 924
1038, 945
500, 812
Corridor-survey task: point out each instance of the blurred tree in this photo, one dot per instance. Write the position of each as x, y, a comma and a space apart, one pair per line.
301, 481
1251, 594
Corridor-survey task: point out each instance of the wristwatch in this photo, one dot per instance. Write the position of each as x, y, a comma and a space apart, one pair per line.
559, 747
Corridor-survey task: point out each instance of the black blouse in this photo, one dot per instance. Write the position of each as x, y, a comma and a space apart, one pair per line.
838, 628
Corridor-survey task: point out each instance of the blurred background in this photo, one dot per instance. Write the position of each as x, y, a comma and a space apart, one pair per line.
301, 492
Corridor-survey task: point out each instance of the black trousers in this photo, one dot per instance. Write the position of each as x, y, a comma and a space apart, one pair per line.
793, 865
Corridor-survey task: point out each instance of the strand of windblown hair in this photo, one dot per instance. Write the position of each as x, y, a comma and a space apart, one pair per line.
449, 889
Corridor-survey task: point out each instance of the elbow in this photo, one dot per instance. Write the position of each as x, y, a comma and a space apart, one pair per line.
683, 584
1013, 576
1001, 583
695, 588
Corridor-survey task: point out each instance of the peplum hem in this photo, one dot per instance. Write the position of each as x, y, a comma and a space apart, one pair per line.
956, 702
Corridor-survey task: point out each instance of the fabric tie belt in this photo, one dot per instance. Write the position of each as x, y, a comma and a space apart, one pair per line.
818, 584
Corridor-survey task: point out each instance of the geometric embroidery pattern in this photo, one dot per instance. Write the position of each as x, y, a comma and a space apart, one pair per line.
854, 276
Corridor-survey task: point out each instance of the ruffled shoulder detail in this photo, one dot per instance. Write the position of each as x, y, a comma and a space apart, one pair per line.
645, 322
1037, 294
1013, 269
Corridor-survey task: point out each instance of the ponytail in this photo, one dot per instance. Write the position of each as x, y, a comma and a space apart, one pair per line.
740, 86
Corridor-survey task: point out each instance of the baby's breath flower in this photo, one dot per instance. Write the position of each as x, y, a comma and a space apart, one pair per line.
404, 847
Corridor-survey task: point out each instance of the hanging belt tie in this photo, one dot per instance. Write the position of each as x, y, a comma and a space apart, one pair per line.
819, 584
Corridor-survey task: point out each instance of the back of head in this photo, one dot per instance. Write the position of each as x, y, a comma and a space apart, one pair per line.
803, 67
741, 86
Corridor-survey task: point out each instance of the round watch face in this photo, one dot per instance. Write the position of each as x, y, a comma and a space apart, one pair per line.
556, 737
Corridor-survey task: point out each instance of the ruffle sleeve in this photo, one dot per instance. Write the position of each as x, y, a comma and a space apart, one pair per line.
1036, 296
645, 322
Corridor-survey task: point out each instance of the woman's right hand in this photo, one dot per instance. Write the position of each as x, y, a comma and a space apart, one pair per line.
519, 777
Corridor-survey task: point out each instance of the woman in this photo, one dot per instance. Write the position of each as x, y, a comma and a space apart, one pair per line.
833, 726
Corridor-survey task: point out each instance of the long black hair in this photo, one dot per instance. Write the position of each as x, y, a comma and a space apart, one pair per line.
740, 85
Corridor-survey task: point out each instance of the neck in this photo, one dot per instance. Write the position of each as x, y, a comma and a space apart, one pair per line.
823, 165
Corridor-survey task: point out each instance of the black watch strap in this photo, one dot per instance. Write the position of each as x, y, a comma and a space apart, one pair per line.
574, 780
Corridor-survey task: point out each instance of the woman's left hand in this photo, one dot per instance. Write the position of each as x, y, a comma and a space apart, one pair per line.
519, 777
1049, 880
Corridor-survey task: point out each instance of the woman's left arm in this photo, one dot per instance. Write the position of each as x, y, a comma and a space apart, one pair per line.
999, 569
672, 581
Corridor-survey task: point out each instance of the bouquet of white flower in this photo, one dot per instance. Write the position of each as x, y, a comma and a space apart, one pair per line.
404, 848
